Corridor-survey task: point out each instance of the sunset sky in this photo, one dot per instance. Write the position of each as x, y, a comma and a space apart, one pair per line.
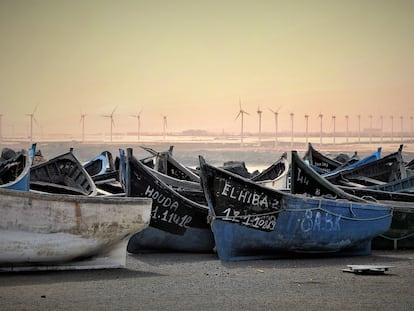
194, 60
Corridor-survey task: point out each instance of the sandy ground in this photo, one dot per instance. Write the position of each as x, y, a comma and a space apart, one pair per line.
171, 281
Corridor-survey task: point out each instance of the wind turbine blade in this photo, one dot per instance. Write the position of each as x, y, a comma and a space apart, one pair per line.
271, 110
34, 110
238, 115
114, 110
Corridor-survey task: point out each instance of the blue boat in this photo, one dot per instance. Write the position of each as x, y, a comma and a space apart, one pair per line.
250, 221
101, 164
378, 171
15, 171
177, 223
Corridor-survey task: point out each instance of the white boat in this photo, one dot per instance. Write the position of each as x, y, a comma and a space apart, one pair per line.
42, 231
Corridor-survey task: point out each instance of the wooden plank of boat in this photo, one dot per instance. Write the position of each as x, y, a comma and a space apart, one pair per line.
62, 174
177, 223
400, 185
15, 171
386, 169
250, 221
276, 175
319, 160
367, 269
41, 231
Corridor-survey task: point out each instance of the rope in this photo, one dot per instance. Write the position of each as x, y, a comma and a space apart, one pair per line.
304, 210
397, 239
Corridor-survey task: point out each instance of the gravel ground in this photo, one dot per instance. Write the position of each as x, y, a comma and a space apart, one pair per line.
172, 281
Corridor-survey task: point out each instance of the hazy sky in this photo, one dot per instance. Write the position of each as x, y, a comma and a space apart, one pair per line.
193, 61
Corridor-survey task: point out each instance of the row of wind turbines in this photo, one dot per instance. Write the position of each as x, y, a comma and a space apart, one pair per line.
259, 112
240, 115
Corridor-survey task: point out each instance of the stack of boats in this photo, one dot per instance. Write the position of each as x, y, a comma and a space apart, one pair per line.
61, 214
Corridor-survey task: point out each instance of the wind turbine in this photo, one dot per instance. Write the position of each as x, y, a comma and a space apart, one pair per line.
276, 113
32, 118
392, 128
1, 132
320, 130
291, 128
347, 127
382, 126
412, 134
241, 112
307, 123
138, 116
259, 112
164, 125
82, 119
370, 129
334, 128
111, 116
402, 120
359, 128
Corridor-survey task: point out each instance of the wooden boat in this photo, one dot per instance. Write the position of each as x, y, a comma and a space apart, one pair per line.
15, 171
347, 165
384, 170
276, 175
320, 161
400, 185
305, 180
102, 163
250, 221
177, 223
42, 231
401, 233
63, 174
167, 164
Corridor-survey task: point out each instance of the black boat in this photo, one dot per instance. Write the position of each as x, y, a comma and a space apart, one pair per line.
384, 170
165, 163
321, 162
63, 174
401, 233
177, 223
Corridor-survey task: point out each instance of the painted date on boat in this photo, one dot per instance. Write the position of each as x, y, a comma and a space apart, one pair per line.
261, 222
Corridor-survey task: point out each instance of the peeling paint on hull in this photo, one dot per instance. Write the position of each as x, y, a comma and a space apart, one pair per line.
41, 230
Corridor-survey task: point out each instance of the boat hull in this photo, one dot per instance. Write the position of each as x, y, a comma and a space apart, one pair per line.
250, 221
305, 227
46, 230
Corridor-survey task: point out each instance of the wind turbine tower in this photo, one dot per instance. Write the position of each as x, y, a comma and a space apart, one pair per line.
276, 114
382, 126
412, 134
320, 130
370, 129
334, 129
111, 117
164, 126
138, 116
307, 123
392, 128
82, 119
241, 113
292, 115
32, 118
402, 127
359, 128
347, 127
1, 132
259, 112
